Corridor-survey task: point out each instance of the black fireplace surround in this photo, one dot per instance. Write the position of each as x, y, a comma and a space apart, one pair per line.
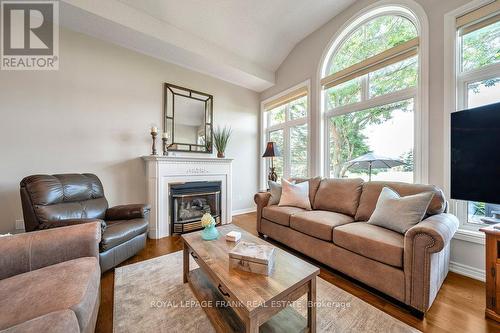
190, 201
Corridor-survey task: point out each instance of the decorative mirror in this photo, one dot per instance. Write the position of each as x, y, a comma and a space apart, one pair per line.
188, 119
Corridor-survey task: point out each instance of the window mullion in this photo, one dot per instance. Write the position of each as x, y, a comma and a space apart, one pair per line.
459, 207
287, 152
459, 52
365, 88
373, 102
276, 127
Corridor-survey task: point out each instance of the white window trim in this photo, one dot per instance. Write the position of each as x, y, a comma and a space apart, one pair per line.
286, 131
416, 14
454, 86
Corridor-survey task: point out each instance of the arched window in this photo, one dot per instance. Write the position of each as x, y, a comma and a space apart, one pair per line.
370, 81
375, 36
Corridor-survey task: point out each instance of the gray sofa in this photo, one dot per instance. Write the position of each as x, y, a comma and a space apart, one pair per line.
410, 268
50, 280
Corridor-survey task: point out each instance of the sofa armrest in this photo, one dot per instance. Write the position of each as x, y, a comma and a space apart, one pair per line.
436, 229
33, 250
70, 222
261, 199
426, 258
127, 212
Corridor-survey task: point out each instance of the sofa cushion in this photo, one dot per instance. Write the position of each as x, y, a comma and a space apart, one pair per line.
72, 285
89, 209
371, 241
48, 190
280, 215
120, 231
318, 223
63, 321
371, 192
339, 195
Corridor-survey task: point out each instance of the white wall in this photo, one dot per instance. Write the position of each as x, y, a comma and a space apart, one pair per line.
94, 115
302, 64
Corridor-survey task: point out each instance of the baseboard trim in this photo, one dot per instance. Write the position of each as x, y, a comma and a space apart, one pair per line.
244, 211
468, 271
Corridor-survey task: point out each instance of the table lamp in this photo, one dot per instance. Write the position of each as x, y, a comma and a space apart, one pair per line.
272, 151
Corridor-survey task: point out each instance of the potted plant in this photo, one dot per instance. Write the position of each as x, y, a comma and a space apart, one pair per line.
221, 139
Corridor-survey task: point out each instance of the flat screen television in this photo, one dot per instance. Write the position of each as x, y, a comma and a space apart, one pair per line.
475, 154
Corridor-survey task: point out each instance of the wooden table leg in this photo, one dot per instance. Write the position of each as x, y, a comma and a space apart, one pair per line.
311, 306
251, 326
185, 263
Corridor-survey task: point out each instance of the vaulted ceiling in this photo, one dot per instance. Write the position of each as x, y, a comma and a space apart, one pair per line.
240, 41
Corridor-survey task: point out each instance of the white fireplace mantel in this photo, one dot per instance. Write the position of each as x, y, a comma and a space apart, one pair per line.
161, 171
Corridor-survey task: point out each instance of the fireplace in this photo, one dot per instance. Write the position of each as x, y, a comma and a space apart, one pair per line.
163, 172
190, 201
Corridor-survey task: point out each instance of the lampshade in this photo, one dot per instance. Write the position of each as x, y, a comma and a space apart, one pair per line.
272, 150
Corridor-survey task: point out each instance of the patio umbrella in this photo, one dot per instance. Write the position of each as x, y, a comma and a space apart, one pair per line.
371, 161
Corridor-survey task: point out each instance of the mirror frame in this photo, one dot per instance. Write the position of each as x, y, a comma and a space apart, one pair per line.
196, 95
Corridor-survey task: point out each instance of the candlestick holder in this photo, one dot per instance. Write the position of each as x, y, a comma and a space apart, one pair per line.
165, 146
153, 148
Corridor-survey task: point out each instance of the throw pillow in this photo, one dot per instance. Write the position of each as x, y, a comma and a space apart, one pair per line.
399, 213
295, 195
275, 190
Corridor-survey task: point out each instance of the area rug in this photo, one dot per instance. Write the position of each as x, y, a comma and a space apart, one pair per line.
149, 296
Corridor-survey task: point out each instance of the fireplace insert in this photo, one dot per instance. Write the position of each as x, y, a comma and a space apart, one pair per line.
190, 201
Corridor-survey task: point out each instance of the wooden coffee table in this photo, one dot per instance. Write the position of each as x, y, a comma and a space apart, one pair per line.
239, 301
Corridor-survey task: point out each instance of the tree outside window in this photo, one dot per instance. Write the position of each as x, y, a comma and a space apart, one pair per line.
358, 119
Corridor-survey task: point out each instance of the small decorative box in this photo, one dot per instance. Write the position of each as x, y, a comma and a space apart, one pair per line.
233, 236
252, 258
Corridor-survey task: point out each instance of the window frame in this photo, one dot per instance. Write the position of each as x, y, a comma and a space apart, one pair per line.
285, 126
455, 88
419, 93
463, 79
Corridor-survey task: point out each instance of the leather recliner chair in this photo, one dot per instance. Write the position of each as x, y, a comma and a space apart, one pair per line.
51, 201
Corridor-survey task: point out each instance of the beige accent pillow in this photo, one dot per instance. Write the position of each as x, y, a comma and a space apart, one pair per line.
295, 195
400, 213
275, 189
313, 186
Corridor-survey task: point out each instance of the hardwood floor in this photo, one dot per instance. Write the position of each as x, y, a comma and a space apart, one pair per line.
459, 306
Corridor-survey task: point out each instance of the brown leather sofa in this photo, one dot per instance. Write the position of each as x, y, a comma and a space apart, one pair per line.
409, 267
50, 280
68, 199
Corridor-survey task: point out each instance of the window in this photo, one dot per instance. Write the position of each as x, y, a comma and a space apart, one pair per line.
286, 123
356, 133
372, 38
369, 97
478, 81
